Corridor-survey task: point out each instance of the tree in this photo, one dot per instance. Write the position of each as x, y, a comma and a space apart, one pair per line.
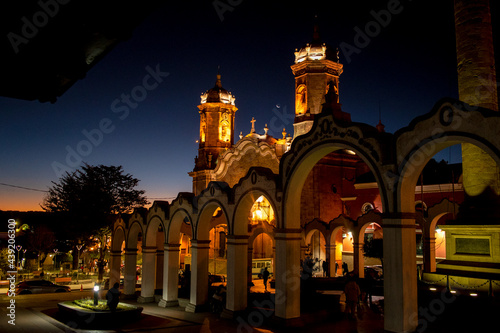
90, 199
41, 240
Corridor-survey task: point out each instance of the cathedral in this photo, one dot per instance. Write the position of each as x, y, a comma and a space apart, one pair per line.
322, 193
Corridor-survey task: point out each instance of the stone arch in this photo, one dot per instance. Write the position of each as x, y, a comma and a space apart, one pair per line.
435, 213
153, 251
314, 225
325, 137
337, 226
135, 227
216, 195
157, 216
119, 234
366, 219
258, 181
181, 211
264, 228
450, 122
117, 241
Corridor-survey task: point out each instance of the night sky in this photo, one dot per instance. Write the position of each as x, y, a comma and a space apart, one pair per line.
403, 69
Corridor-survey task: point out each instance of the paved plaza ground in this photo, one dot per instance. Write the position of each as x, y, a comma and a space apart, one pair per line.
321, 312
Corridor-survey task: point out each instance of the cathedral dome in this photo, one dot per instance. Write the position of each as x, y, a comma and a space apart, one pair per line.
217, 94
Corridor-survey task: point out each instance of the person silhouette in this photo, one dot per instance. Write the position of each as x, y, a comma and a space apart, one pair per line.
265, 275
113, 297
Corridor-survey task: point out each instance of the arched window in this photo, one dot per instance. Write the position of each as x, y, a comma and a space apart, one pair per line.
367, 207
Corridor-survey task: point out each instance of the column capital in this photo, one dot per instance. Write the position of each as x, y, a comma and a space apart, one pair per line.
237, 240
399, 220
130, 251
115, 253
200, 244
171, 247
149, 249
330, 246
288, 234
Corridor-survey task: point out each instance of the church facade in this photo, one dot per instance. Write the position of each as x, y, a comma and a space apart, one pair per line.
315, 194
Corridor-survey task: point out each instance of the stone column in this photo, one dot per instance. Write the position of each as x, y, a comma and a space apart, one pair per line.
303, 250
170, 275
249, 260
330, 256
148, 275
429, 253
400, 275
274, 261
359, 260
115, 264
199, 275
159, 269
287, 276
237, 267
129, 275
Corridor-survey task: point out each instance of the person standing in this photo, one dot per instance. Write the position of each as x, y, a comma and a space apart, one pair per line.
352, 293
113, 297
265, 275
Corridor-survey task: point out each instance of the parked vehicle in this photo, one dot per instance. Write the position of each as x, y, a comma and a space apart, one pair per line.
375, 272
258, 267
39, 287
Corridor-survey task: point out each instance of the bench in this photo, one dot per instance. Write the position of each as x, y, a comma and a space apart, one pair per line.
62, 279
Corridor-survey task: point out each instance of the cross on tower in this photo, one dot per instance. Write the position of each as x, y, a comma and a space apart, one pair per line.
253, 125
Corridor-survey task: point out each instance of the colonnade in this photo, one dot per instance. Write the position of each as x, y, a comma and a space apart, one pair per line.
396, 161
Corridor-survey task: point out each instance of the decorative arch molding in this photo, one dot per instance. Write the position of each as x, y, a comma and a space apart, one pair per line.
436, 212
157, 216
231, 159
261, 228
258, 181
181, 211
136, 226
371, 217
216, 195
319, 225
449, 122
338, 223
328, 135
365, 220
118, 235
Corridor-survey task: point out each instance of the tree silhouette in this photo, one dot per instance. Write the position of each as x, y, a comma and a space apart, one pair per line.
42, 241
90, 199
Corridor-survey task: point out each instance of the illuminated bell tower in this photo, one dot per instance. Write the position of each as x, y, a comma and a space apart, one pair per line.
316, 70
217, 112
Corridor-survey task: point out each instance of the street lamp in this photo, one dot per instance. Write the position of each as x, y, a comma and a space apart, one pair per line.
96, 294
24, 258
79, 247
18, 248
55, 263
